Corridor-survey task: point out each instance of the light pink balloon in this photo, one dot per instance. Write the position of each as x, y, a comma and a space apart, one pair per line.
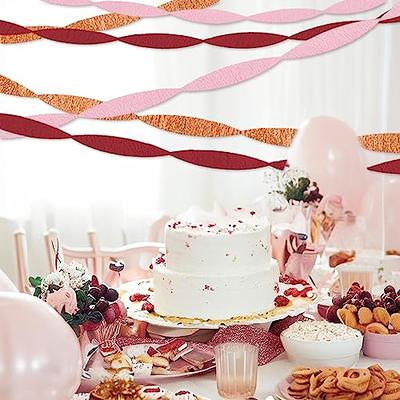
372, 210
329, 151
40, 357
5, 283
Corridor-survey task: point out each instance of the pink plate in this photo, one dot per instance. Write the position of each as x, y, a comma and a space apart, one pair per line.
283, 387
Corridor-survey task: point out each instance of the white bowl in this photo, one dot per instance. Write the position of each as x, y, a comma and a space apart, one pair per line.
318, 354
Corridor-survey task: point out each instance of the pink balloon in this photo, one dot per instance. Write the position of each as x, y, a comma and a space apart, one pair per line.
372, 210
40, 357
329, 151
5, 283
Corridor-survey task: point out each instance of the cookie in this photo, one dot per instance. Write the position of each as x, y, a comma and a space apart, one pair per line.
381, 315
377, 327
395, 321
348, 317
365, 316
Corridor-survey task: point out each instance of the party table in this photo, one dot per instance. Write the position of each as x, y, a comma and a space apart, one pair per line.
268, 377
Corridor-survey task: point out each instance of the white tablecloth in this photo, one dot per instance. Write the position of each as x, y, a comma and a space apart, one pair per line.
268, 377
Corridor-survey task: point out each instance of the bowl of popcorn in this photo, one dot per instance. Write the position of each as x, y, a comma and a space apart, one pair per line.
322, 343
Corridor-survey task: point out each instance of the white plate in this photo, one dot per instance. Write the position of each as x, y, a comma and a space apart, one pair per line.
145, 286
142, 348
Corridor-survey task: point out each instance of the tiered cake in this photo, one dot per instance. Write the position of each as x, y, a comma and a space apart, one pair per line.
215, 271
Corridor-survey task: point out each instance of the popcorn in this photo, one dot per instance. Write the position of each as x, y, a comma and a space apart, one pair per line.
319, 331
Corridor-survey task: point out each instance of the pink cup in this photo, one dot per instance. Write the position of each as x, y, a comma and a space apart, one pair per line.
386, 347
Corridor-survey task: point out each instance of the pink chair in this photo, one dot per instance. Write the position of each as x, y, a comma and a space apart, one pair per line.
22, 269
156, 229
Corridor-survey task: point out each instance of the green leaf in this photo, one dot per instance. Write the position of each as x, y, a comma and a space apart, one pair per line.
35, 281
37, 292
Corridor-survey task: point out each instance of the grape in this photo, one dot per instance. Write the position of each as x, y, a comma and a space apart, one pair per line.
378, 303
103, 290
111, 295
392, 295
331, 314
397, 300
365, 295
389, 289
392, 309
101, 305
95, 292
338, 301
369, 303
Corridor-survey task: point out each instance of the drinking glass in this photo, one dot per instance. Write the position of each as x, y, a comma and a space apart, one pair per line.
356, 272
237, 365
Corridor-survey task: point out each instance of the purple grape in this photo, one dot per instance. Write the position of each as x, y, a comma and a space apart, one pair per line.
392, 309
112, 295
365, 295
369, 303
378, 303
389, 289
331, 314
338, 301
95, 292
102, 305
103, 290
397, 300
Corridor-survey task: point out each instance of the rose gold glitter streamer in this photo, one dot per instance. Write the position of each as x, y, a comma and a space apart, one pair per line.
191, 126
108, 21
383, 142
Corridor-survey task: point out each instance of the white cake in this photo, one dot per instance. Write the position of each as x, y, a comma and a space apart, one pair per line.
215, 271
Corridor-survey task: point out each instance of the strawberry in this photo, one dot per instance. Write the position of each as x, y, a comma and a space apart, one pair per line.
304, 292
281, 301
138, 297
147, 307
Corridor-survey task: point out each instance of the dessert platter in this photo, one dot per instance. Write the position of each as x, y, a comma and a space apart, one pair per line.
213, 275
120, 389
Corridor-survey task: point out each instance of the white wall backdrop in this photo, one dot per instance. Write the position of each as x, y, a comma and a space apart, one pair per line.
358, 84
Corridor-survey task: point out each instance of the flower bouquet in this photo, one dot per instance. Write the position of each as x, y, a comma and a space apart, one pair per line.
91, 309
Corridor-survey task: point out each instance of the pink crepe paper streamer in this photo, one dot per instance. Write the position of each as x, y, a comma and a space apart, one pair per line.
210, 16
224, 77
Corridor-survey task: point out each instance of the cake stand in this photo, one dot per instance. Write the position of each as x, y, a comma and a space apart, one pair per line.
296, 307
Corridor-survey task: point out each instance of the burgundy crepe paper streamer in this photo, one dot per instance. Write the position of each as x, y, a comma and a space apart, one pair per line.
133, 148
240, 40
388, 167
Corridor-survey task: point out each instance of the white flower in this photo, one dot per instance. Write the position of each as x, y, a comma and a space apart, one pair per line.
77, 273
58, 278
293, 175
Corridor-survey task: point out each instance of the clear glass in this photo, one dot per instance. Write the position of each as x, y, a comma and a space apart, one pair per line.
237, 365
354, 272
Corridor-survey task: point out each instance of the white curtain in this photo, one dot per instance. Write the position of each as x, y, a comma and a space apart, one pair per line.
358, 84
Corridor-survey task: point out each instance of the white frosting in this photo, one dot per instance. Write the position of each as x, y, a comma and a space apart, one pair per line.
215, 272
320, 331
